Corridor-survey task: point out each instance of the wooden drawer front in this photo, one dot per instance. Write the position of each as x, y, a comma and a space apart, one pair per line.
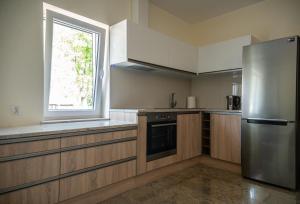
83, 183
83, 158
101, 137
27, 170
28, 147
42, 194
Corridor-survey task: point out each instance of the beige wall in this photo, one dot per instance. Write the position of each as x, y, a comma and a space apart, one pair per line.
139, 89
21, 61
170, 25
269, 19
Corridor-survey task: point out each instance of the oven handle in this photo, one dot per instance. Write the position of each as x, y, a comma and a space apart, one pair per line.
163, 125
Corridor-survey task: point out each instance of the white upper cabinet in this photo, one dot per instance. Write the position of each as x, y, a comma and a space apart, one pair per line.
223, 55
132, 41
146, 45
183, 56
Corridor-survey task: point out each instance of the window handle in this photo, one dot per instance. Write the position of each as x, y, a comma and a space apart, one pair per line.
101, 74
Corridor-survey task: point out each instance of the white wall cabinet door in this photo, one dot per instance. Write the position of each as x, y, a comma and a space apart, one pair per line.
183, 56
118, 43
133, 41
223, 55
147, 45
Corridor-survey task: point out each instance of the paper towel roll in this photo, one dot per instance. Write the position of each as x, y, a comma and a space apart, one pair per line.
191, 102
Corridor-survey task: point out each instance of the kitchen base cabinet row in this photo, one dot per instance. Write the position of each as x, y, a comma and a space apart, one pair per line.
188, 144
47, 171
89, 162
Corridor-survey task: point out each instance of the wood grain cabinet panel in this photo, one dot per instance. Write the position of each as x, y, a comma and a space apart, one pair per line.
100, 137
142, 145
42, 194
88, 157
188, 135
226, 137
22, 171
28, 147
83, 183
158, 163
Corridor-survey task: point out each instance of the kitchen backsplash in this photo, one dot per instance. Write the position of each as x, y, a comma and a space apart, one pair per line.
140, 89
211, 89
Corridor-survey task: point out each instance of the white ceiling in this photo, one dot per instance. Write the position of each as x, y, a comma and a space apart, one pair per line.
194, 11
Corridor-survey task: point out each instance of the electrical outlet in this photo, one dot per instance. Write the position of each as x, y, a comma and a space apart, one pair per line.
15, 110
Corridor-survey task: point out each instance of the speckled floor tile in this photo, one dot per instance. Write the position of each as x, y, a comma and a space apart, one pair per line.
204, 185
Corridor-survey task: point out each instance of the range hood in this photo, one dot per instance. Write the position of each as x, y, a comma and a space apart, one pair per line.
136, 65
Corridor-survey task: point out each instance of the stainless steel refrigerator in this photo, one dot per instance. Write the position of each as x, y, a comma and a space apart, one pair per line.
270, 112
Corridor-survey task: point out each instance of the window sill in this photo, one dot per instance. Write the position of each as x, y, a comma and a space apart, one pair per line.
73, 120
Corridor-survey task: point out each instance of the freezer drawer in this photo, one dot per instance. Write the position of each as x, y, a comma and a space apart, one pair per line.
268, 152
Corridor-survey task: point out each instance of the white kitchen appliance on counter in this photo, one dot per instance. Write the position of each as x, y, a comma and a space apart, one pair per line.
191, 102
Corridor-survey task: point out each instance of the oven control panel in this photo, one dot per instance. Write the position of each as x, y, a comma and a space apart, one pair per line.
161, 116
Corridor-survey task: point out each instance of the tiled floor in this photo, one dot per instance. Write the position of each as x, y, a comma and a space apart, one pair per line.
201, 184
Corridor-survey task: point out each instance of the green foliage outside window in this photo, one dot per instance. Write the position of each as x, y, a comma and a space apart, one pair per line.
82, 49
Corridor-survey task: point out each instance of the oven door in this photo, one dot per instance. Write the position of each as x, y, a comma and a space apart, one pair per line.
161, 139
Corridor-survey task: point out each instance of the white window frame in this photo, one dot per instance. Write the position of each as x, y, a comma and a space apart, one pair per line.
97, 111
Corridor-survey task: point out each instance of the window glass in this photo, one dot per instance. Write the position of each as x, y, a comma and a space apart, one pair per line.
73, 69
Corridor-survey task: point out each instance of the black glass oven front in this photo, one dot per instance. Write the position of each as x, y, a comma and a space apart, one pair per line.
161, 139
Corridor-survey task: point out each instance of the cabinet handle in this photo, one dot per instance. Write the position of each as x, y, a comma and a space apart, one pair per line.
267, 121
164, 125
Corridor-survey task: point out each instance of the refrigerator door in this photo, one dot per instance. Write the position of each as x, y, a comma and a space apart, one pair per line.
268, 152
269, 80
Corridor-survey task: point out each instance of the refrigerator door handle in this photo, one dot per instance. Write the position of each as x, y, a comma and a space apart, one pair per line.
268, 121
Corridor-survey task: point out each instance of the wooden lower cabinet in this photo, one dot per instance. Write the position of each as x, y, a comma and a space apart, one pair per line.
88, 157
42, 194
28, 147
188, 135
142, 145
99, 137
83, 183
23, 171
188, 142
226, 137
42, 178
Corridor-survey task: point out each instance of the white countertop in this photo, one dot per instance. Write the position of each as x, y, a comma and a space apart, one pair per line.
71, 127
56, 128
156, 110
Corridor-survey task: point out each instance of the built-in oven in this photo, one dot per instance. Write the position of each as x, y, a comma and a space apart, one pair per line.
161, 135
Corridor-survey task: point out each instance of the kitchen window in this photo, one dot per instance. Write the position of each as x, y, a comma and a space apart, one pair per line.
74, 67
